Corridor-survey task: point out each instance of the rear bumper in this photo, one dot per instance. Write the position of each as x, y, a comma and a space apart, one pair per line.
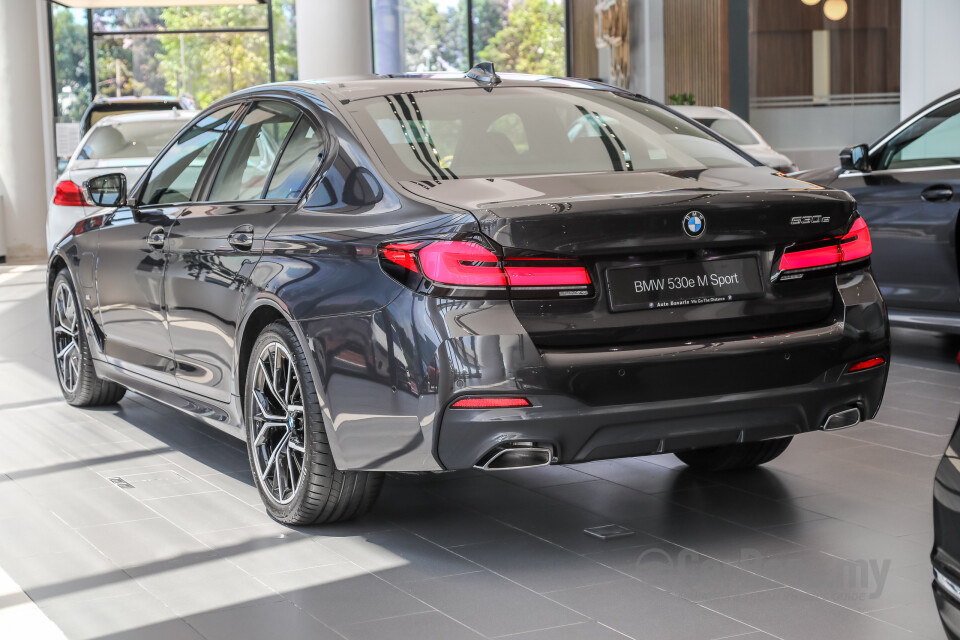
578, 432
388, 380
660, 398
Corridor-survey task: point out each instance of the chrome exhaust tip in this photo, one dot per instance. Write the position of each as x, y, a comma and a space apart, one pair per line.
842, 420
516, 456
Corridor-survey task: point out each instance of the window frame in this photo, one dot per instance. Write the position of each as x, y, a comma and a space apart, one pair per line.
212, 160
303, 112
881, 155
877, 148
205, 183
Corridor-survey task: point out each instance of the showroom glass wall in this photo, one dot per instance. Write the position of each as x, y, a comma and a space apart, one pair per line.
202, 52
526, 36
823, 71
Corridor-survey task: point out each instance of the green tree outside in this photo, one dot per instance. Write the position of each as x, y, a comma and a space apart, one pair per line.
532, 41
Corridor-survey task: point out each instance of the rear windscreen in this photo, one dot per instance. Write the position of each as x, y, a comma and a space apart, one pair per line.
730, 129
99, 112
135, 139
469, 133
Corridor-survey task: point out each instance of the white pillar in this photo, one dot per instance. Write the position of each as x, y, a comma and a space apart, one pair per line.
24, 135
333, 38
929, 49
647, 76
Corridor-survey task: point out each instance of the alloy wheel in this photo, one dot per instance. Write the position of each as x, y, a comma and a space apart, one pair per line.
66, 337
279, 450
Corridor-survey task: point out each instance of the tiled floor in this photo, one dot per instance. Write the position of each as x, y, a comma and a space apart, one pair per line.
830, 541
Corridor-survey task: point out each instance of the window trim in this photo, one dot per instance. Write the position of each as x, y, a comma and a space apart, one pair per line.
303, 112
276, 161
137, 192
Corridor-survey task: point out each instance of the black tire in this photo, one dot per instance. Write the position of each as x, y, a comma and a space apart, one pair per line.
78, 380
323, 493
735, 456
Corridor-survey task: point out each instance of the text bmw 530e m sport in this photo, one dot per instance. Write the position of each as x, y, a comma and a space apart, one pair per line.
431, 273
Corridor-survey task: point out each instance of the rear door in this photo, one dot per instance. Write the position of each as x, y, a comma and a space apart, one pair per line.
132, 253
910, 201
215, 244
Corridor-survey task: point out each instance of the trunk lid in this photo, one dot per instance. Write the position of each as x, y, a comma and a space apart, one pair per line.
629, 231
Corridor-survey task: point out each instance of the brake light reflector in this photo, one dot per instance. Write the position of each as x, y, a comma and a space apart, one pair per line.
856, 244
490, 403
68, 194
461, 263
545, 272
866, 364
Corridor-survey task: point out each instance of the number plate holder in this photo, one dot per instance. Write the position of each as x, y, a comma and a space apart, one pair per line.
683, 284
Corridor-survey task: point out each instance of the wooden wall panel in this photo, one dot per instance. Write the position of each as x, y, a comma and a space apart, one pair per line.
583, 39
696, 50
864, 47
783, 63
858, 63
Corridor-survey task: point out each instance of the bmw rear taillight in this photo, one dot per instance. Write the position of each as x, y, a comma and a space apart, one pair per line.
855, 245
464, 268
68, 194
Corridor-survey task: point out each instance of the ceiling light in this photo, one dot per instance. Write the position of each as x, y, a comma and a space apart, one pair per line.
835, 9
810, 3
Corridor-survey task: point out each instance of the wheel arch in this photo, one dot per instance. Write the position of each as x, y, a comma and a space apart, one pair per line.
265, 310
55, 266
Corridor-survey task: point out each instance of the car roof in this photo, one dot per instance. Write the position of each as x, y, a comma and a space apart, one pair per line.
350, 88
101, 100
147, 116
697, 111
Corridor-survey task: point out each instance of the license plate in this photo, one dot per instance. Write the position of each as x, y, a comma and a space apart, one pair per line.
683, 284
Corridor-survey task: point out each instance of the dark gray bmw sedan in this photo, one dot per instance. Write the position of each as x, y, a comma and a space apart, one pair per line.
429, 273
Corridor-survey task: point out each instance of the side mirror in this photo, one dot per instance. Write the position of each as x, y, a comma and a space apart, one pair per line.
855, 159
106, 191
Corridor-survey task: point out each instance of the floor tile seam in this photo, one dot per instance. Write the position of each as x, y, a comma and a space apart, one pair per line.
500, 575
874, 504
423, 602
918, 413
908, 429
887, 446
507, 636
732, 565
201, 492
826, 600
420, 613
458, 574
746, 624
765, 631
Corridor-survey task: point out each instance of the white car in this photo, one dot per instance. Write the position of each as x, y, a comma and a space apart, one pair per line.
121, 143
736, 130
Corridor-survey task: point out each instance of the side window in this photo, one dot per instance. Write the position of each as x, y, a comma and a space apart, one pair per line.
300, 159
931, 141
175, 175
252, 152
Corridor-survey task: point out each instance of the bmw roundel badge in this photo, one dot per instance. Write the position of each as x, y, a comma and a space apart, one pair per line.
694, 223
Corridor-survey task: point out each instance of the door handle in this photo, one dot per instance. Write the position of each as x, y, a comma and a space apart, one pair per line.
157, 238
937, 193
241, 238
